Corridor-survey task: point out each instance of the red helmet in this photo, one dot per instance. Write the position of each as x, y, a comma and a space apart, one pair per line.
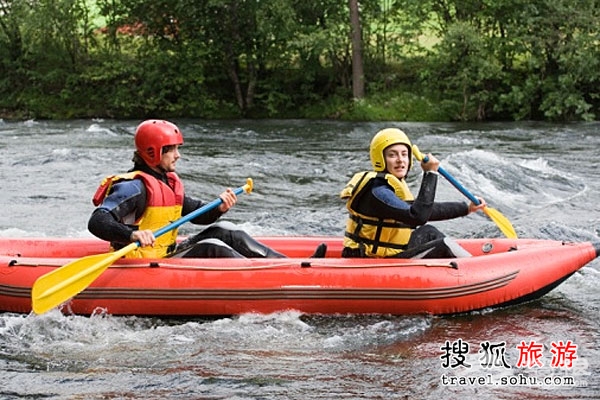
154, 134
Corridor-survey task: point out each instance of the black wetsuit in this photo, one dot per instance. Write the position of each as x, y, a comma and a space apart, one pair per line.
378, 200
113, 221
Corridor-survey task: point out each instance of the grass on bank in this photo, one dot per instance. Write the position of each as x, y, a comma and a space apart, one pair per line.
388, 106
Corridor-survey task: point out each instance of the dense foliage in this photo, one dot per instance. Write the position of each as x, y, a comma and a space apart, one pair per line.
423, 60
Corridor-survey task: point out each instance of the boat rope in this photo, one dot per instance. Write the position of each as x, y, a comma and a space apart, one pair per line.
303, 264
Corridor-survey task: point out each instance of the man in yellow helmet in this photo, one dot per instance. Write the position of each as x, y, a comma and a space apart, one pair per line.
385, 219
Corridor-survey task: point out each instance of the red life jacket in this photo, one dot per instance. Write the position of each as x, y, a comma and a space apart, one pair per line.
163, 206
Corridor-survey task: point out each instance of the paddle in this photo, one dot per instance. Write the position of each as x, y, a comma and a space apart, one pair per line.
500, 220
60, 285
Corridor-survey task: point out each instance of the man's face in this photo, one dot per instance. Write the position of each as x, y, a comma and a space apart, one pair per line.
170, 155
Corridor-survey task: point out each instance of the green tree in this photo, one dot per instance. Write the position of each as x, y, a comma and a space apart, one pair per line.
520, 58
556, 67
465, 73
473, 59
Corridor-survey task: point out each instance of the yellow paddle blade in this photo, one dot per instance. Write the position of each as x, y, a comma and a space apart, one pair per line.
501, 221
58, 286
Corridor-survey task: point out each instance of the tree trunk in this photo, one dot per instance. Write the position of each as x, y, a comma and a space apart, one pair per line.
358, 76
235, 80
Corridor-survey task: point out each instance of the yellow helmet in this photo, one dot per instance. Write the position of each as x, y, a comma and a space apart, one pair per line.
383, 139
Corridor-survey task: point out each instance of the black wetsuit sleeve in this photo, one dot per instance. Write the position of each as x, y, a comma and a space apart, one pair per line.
103, 225
448, 210
381, 202
190, 205
125, 202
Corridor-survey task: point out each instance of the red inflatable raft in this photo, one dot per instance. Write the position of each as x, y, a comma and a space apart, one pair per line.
502, 272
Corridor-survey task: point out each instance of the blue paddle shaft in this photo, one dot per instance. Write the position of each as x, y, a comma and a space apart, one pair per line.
455, 183
205, 208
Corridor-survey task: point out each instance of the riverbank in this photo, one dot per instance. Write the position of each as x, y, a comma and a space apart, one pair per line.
389, 106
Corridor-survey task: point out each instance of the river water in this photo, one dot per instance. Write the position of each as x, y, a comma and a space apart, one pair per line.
544, 178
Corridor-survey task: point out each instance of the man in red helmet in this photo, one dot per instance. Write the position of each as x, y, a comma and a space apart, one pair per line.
133, 205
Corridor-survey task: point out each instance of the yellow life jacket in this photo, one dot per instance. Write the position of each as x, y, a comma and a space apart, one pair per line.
376, 237
163, 206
